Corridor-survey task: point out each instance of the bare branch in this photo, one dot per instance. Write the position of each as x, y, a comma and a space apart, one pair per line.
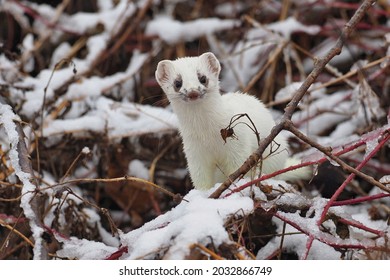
319, 66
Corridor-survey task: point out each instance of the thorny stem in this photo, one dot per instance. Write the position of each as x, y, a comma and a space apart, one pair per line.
319, 66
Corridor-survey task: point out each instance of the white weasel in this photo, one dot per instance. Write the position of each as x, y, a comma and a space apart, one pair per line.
192, 87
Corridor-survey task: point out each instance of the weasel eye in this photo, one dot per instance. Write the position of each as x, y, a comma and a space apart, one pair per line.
178, 83
202, 79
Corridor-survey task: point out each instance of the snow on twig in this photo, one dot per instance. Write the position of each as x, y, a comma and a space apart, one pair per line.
21, 164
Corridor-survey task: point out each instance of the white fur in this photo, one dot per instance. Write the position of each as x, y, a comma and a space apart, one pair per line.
210, 159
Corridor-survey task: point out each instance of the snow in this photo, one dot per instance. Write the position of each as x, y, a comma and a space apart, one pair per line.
34, 97
86, 150
138, 169
88, 21
363, 219
85, 249
86, 123
291, 25
228, 9
172, 31
95, 86
295, 242
7, 118
385, 180
239, 66
287, 92
106, 106
258, 42
28, 46
61, 52
195, 220
323, 113
370, 146
118, 120
190, 222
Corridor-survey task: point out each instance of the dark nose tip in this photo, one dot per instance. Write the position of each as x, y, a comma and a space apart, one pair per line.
193, 95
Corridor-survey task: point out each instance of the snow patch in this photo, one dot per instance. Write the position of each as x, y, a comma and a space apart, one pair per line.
291, 25
172, 31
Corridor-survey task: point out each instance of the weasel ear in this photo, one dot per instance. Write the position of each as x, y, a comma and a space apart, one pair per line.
212, 63
163, 72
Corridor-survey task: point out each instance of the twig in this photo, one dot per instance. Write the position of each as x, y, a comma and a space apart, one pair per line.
323, 238
54, 24
56, 67
292, 105
351, 176
72, 165
117, 254
309, 243
207, 251
271, 59
35, 202
282, 241
12, 229
360, 199
361, 226
157, 158
118, 42
119, 179
352, 73
328, 152
331, 69
229, 132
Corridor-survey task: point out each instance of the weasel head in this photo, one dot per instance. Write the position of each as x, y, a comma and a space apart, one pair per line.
189, 79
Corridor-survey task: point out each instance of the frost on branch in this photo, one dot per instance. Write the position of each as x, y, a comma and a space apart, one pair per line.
102, 174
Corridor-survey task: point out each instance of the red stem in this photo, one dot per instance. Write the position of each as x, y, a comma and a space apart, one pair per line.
344, 149
353, 6
33, 13
386, 137
359, 225
12, 219
54, 232
323, 240
117, 254
360, 199
309, 243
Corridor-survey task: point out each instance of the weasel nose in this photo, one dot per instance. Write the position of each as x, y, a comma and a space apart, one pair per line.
193, 95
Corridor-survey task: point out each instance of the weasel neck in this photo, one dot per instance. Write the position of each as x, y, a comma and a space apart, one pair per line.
202, 119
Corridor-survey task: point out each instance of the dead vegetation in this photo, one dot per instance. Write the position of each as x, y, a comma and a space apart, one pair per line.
55, 69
